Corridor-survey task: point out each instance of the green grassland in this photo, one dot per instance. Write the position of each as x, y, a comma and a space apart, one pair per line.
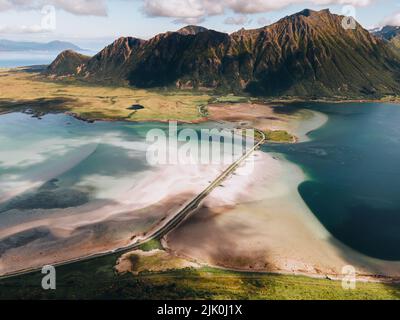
231, 98
96, 279
275, 136
21, 90
279, 136
151, 245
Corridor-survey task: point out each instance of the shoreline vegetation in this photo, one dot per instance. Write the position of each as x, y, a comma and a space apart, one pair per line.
33, 94
185, 282
161, 104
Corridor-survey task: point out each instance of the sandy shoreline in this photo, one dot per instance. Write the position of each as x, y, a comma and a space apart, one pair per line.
269, 229
36, 237
254, 222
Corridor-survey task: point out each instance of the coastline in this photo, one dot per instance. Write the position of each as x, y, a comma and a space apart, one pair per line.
231, 198
269, 229
95, 102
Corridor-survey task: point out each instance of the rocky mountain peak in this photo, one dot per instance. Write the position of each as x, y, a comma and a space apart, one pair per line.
307, 54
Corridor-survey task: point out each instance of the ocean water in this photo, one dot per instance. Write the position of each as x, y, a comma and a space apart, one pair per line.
352, 164
45, 158
22, 59
353, 169
32, 58
67, 152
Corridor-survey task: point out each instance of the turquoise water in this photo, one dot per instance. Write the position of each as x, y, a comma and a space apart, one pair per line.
62, 152
353, 165
58, 161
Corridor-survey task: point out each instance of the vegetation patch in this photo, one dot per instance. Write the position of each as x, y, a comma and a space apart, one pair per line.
22, 91
138, 262
280, 136
151, 245
275, 136
231, 98
96, 279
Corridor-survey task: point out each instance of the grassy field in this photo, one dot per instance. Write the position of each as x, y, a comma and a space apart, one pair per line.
21, 89
231, 98
279, 136
96, 279
151, 245
276, 136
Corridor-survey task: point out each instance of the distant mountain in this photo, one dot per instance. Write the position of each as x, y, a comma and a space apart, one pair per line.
7, 45
308, 54
389, 33
67, 63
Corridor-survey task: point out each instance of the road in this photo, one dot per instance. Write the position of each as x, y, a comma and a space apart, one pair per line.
164, 229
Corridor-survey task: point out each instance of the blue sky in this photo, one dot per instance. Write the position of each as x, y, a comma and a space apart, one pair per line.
95, 23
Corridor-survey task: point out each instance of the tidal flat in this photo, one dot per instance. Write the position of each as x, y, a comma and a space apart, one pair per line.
86, 187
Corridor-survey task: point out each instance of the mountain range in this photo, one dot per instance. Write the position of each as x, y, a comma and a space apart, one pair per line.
8, 45
308, 54
389, 33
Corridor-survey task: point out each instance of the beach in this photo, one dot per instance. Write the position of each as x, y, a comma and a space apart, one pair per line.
87, 189
33, 238
268, 117
259, 223
254, 221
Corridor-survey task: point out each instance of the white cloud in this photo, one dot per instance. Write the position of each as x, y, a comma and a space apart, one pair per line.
239, 20
393, 20
200, 9
181, 10
23, 29
78, 7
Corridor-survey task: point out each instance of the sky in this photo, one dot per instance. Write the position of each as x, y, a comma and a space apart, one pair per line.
92, 24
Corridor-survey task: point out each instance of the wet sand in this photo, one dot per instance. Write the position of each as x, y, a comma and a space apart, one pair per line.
268, 117
260, 223
255, 221
36, 237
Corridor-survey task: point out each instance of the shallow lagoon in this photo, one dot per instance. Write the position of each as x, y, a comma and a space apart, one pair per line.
69, 188
353, 169
78, 168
